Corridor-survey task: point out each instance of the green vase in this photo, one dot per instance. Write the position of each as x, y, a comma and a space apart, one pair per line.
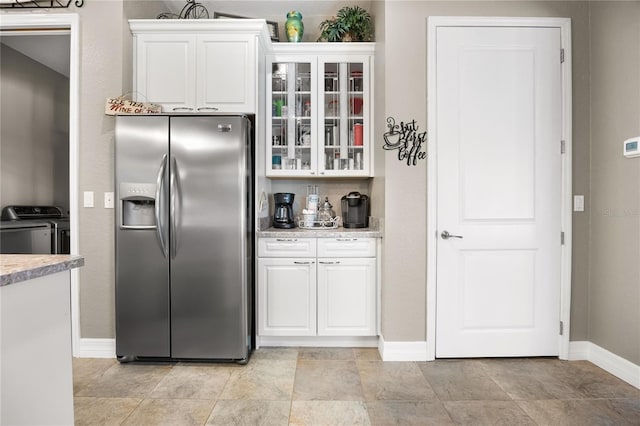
294, 27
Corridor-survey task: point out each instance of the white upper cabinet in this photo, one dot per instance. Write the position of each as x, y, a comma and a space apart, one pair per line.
319, 109
198, 65
165, 66
226, 76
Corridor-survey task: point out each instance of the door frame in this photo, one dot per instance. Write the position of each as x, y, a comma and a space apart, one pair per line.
564, 24
70, 22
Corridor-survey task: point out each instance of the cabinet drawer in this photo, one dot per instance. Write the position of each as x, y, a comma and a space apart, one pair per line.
346, 247
287, 247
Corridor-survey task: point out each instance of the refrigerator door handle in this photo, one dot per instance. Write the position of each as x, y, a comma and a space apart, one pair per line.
174, 189
158, 205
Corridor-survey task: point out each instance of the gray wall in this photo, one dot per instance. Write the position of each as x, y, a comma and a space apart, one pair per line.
614, 268
100, 77
34, 132
379, 77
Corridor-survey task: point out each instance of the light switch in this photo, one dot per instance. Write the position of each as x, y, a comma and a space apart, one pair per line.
88, 198
578, 203
108, 200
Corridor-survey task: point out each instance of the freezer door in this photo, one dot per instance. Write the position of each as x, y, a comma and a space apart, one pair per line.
209, 272
141, 221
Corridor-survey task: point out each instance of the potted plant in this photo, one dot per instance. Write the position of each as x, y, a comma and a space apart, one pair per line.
352, 23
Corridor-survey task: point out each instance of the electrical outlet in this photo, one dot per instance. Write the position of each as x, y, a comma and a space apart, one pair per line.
108, 200
578, 203
88, 198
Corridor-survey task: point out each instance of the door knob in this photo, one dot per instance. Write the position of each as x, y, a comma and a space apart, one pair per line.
446, 235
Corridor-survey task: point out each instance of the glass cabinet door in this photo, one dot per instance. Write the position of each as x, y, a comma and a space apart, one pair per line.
293, 119
344, 121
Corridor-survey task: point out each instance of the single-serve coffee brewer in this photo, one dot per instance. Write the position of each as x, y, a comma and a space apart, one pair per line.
355, 210
283, 213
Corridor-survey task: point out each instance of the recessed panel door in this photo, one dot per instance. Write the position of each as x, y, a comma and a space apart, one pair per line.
225, 73
286, 297
499, 187
347, 297
166, 65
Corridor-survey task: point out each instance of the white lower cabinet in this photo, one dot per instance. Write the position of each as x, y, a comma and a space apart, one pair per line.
323, 295
287, 297
346, 297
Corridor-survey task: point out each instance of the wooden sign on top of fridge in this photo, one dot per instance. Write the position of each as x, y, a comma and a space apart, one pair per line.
120, 105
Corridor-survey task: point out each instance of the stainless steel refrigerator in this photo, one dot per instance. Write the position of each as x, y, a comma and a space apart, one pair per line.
184, 237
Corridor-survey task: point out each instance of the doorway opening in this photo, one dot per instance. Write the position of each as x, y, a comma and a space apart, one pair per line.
30, 33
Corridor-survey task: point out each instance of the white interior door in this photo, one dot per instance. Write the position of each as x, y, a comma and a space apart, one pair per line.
499, 127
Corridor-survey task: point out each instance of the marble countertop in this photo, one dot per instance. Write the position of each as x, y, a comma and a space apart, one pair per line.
320, 233
21, 267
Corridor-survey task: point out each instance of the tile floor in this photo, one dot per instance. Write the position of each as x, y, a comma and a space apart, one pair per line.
330, 386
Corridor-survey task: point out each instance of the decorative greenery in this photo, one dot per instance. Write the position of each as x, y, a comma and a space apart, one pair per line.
352, 23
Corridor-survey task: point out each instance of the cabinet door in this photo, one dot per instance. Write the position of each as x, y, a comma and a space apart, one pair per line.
291, 134
165, 66
344, 110
226, 73
346, 297
287, 297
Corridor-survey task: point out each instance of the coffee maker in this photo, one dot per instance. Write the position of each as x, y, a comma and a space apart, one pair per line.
283, 213
355, 210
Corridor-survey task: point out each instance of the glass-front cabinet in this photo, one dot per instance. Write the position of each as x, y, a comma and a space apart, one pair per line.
292, 105
342, 108
320, 107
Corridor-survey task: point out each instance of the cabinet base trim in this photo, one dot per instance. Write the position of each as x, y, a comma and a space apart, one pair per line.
319, 341
403, 351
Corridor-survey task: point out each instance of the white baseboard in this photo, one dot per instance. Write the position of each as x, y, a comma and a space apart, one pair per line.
608, 361
403, 351
579, 351
319, 341
95, 348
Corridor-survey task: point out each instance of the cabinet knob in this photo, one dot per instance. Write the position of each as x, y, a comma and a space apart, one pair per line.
337, 262
181, 109
207, 109
286, 239
303, 263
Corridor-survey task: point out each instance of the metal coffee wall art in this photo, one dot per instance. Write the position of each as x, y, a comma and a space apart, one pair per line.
407, 139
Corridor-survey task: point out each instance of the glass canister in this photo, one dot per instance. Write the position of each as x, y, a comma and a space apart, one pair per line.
326, 213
